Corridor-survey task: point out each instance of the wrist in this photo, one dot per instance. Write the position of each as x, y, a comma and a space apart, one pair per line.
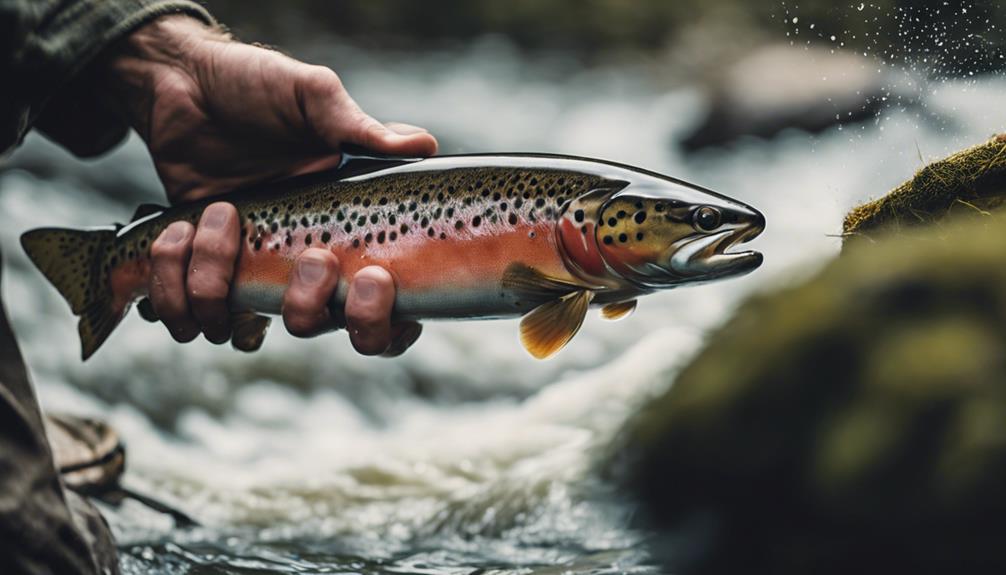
135, 69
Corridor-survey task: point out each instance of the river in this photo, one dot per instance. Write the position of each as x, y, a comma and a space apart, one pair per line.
464, 455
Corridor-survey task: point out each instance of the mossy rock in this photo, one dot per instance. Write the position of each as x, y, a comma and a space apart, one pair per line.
971, 181
856, 423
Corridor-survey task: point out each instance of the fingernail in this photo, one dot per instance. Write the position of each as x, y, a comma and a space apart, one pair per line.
405, 129
174, 234
310, 270
214, 218
365, 289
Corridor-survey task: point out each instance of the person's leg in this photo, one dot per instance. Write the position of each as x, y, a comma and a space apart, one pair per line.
43, 528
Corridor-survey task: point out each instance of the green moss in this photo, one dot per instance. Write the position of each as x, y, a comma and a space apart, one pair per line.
970, 181
857, 419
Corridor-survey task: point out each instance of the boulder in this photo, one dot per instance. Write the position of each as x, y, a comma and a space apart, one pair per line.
854, 423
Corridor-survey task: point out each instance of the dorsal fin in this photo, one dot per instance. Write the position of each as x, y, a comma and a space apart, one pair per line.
144, 210
357, 161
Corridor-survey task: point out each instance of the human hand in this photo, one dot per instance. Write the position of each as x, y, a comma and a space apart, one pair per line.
217, 114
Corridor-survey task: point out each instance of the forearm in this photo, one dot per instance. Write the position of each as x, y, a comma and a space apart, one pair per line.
45, 45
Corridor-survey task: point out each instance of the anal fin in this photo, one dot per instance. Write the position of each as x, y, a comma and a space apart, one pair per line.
549, 327
617, 311
248, 330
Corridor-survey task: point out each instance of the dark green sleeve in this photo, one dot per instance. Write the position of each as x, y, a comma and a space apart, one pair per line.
44, 45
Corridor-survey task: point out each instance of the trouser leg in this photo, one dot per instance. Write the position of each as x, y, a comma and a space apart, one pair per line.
44, 529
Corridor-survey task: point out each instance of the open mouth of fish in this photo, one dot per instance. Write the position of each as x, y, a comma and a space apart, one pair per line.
710, 255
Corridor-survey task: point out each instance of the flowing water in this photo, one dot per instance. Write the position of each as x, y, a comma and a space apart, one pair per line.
465, 455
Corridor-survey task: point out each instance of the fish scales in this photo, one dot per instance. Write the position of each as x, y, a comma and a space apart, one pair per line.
463, 237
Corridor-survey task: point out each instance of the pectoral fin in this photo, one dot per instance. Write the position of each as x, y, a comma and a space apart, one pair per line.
532, 285
550, 326
617, 311
249, 330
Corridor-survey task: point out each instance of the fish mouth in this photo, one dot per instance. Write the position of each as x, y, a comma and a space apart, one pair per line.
709, 256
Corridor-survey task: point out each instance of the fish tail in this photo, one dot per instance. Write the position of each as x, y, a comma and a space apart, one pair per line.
71, 261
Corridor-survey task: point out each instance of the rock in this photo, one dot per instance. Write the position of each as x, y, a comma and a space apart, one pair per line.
856, 423
971, 181
781, 86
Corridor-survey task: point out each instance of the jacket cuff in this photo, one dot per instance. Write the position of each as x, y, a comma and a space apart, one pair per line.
64, 106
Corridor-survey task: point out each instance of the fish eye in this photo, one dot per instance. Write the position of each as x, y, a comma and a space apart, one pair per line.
707, 218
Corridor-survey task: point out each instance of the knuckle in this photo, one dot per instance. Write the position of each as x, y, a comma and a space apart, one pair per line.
204, 289
323, 79
214, 245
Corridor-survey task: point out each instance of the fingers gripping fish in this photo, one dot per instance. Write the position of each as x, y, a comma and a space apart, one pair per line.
477, 236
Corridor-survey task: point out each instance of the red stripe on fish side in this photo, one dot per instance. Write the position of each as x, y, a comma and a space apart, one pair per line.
465, 258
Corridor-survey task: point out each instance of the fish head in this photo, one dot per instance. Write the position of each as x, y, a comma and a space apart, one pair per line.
662, 233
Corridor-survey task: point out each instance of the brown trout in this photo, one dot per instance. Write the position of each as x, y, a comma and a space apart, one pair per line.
473, 236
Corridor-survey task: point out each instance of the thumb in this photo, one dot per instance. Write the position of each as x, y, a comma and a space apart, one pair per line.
393, 138
338, 120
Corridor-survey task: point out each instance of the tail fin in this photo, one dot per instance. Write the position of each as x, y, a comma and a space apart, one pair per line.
71, 261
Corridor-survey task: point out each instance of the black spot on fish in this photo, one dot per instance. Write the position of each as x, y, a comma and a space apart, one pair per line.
640, 217
583, 229
307, 240
373, 218
578, 215
366, 202
362, 220
612, 222
325, 237
356, 242
383, 201
425, 221
392, 236
380, 237
401, 208
534, 181
639, 236
356, 200
518, 203
450, 212
512, 218
621, 214
497, 197
348, 227
520, 186
264, 214
392, 219
458, 225
540, 202
304, 222
608, 240
443, 236
429, 232
340, 216
503, 206
425, 199
477, 221
413, 206
623, 238
404, 229
258, 244
437, 212
659, 207
289, 240
274, 227
367, 238
275, 209
440, 197
307, 205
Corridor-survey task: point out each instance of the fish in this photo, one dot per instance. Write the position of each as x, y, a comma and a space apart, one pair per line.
542, 237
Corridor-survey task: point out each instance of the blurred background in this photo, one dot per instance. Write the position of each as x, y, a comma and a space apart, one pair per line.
466, 455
